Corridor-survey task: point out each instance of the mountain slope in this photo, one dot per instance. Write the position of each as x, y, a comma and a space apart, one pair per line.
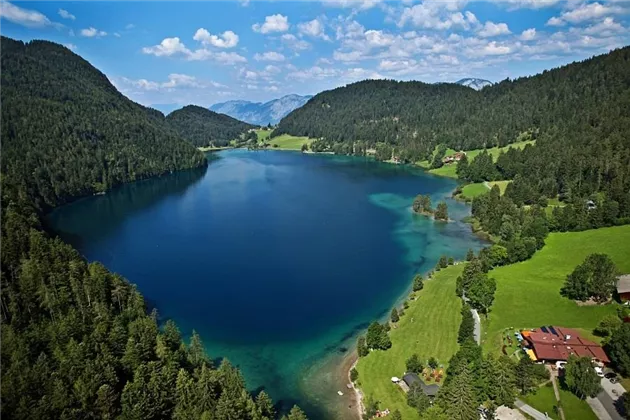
418, 116
203, 127
67, 132
261, 113
474, 83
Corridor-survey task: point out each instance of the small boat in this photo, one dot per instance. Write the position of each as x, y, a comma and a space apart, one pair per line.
340, 393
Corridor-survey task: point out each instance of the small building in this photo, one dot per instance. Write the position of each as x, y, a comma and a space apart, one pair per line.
623, 287
429, 390
552, 344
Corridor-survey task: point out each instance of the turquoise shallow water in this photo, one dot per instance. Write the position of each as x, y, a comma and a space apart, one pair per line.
277, 259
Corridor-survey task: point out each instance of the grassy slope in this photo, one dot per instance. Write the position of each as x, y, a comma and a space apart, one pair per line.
433, 332
471, 191
263, 134
284, 142
544, 401
528, 293
449, 170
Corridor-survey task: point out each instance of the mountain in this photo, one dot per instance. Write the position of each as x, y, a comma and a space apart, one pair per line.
67, 132
203, 127
261, 113
476, 84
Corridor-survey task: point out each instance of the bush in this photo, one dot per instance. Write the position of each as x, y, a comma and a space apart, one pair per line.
354, 375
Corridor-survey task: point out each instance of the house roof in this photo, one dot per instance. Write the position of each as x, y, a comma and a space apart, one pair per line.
429, 390
623, 284
558, 343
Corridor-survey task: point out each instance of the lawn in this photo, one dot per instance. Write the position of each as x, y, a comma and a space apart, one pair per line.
263, 134
429, 327
471, 191
449, 170
575, 408
502, 185
288, 142
528, 293
543, 400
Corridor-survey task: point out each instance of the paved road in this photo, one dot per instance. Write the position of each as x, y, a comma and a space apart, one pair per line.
598, 408
608, 397
477, 326
530, 411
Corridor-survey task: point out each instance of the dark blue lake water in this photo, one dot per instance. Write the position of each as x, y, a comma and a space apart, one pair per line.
276, 258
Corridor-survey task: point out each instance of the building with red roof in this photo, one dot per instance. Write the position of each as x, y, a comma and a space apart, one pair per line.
552, 344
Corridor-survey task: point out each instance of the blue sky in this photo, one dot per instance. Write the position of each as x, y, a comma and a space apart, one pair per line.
160, 53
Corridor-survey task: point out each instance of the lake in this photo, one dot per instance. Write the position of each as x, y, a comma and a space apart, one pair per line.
277, 259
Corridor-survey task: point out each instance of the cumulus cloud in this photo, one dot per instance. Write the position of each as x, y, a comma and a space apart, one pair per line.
92, 32
273, 23
356, 4
437, 15
608, 27
491, 29
313, 28
174, 47
70, 46
66, 15
25, 17
294, 43
174, 81
528, 34
269, 56
529, 4
227, 39
585, 12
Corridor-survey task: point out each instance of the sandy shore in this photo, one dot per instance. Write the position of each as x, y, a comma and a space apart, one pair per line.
350, 362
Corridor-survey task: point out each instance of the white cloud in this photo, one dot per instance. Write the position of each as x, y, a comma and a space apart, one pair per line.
70, 46
347, 56
378, 38
167, 48
437, 15
555, 21
528, 34
271, 69
313, 28
294, 43
173, 46
273, 23
607, 27
491, 29
490, 49
529, 4
116, 34
269, 56
66, 15
585, 12
227, 39
130, 26
92, 32
355, 4
271, 88
313, 73
24, 17
174, 81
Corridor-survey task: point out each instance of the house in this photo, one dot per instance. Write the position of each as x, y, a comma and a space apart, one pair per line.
429, 390
623, 287
454, 158
552, 344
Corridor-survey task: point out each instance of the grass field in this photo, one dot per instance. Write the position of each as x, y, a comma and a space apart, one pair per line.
288, 142
449, 170
502, 185
429, 327
543, 400
471, 191
263, 134
528, 293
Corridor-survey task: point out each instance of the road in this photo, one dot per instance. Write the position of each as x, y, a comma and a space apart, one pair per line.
530, 411
608, 399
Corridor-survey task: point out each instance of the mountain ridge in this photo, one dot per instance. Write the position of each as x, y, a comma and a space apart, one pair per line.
261, 113
474, 83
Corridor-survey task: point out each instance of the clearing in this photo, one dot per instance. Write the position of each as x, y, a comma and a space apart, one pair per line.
470, 191
528, 293
284, 141
429, 327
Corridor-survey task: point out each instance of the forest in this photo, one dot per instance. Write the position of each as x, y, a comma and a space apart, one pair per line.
77, 340
203, 127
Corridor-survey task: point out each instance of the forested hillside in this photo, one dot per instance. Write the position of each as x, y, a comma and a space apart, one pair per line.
203, 127
67, 132
77, 341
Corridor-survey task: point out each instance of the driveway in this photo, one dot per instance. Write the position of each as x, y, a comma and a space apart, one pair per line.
608, 398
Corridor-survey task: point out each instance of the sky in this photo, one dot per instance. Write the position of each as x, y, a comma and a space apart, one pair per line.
168, 54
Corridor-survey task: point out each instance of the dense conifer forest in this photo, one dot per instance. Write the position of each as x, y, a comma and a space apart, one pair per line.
203, 127
77, 341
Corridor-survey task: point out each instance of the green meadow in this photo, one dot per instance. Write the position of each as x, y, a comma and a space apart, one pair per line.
470, 191
429, 327
528, 293
284, 141
544, 401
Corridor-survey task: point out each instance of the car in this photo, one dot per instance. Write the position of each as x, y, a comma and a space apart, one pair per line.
560, 364
599, 371
612, 377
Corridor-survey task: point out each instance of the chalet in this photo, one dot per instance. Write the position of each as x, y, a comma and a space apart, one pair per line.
623, 287
454, 158
552, 344
429, 390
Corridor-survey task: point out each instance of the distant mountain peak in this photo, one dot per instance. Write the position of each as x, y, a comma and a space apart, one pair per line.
474, 83
261, 113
